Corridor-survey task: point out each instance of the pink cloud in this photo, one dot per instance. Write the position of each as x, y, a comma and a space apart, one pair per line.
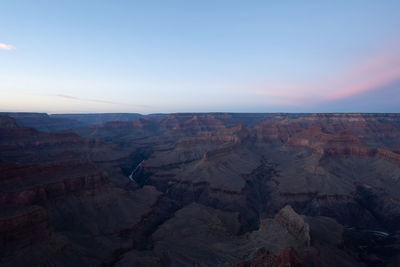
7, 47
375, 73
280, 93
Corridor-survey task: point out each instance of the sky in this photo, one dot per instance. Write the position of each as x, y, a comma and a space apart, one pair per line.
199, 56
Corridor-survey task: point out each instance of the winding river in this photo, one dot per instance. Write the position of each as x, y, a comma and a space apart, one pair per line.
134, 170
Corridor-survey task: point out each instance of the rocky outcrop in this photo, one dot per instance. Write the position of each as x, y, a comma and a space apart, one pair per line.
288, 257
278, 131
229, 135
390, 156
295, 224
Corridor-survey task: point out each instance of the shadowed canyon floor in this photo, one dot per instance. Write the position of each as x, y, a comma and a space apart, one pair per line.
213, 189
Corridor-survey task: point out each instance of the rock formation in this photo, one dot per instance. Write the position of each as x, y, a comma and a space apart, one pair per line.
295, 224
212, 189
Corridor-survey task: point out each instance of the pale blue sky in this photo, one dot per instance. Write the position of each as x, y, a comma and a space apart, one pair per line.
200, 56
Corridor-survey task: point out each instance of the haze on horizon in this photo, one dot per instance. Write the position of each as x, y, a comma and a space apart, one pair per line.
200, 56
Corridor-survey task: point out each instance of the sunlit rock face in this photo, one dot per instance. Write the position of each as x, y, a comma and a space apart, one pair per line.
214, 189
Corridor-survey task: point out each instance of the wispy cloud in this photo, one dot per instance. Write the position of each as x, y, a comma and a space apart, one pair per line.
86, 99
7, 47
95, 100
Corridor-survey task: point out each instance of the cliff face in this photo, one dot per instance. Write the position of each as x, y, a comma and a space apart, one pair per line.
8, 122
22, 227
97, 118
342, 143
205, 189
38, 184
58, 190
380, 129
43, 122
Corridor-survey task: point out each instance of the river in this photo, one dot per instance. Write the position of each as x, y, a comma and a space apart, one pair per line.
134, 170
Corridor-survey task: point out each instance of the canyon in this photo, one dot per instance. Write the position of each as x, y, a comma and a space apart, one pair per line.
200, 189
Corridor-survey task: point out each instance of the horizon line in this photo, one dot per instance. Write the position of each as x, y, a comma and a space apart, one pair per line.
188, 112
